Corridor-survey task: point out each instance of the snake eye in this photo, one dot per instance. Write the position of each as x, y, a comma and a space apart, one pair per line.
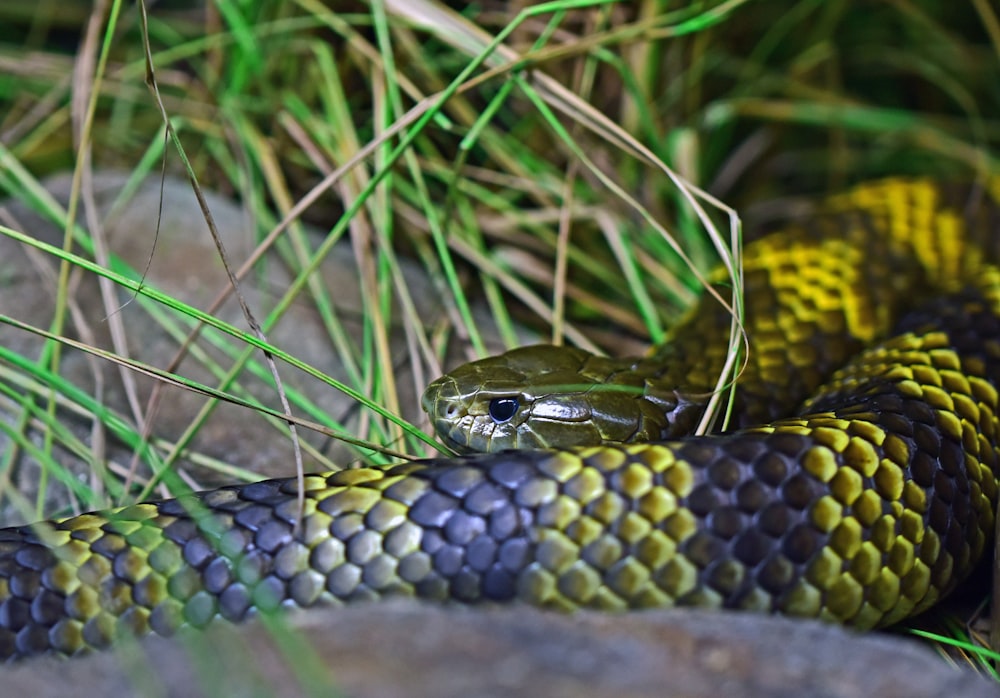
503, 408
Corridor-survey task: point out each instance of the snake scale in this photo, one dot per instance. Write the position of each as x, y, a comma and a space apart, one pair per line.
857, 484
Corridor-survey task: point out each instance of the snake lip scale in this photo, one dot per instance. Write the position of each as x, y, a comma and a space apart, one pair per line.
857, 484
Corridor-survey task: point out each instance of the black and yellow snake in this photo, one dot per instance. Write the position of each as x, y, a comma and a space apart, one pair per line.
864, 494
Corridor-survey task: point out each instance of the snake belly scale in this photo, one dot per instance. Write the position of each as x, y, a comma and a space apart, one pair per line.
863, 498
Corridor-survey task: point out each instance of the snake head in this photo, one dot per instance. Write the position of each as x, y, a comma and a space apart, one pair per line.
545, 396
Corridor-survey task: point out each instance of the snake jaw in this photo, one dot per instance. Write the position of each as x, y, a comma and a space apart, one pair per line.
457, 445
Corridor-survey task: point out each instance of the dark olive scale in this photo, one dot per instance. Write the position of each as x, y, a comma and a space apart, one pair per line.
867, 509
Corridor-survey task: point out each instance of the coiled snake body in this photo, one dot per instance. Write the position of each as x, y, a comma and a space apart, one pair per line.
863, 505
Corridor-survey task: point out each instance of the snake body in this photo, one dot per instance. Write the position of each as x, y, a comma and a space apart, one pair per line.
864, 504
816, 294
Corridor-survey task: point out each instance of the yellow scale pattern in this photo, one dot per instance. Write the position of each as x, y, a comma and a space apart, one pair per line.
866, 508
817, 293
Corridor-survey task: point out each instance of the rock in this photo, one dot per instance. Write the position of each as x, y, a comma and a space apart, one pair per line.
411, 650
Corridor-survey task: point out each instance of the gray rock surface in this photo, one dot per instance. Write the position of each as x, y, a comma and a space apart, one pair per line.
418, 651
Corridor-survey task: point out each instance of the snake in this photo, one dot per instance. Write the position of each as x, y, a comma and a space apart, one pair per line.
854, 482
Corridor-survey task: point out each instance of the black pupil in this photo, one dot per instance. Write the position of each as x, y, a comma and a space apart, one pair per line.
503, 408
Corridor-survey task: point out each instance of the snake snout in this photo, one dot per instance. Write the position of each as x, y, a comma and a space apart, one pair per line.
450, 409
444, 412
441, 398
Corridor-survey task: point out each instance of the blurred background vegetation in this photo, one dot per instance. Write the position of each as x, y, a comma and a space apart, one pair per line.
753, 101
